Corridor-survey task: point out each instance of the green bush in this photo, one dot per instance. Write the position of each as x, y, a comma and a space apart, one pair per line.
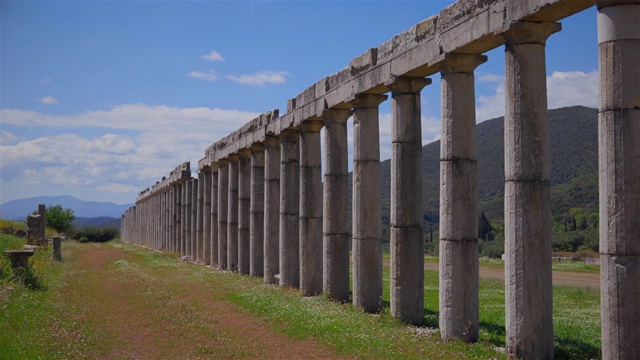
93, 234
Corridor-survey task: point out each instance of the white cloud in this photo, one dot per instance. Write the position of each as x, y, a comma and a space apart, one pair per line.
45, 81
210, 75
49, 100
564, 88
261, 78
213, 56
7, 138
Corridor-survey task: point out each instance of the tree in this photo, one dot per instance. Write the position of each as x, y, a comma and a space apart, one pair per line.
58, 218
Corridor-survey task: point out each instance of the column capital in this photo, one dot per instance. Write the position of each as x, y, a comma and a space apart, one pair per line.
400, 85
244, 153
223, 162
331, 116
312, 125
233, 157
606, 3
367, 101
257, 147
453, 63
272, 141
528, 32
289, 134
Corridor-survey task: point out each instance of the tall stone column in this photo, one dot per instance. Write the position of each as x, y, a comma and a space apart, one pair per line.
223, 202
459, 272
214, 216
619, 162
244, 200
200, 219
310, 208
407, 245
184, 224
289, 208
206, 216
528, 288
367, 211
232, 214
271, 209
336, 205
256, 226
188, 218
194, 220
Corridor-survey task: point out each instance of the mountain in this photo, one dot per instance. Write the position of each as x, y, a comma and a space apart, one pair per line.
97, 222
19, 209
573, 137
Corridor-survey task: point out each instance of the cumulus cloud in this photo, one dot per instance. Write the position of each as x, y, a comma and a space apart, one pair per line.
213, 56
210, 75
261, 78
564, 88
49, 100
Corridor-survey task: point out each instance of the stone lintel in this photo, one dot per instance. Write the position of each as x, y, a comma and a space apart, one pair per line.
528, 32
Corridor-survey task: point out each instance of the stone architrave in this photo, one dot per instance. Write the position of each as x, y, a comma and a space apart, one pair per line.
528, 288
289, 208
256, 226
619, 163
459, 271
271, 209
407, 245
244, 202
223, 201
310, 208
336, 205
367, 213
232, 214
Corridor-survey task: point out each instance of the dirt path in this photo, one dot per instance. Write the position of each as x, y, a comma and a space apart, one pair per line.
140, 311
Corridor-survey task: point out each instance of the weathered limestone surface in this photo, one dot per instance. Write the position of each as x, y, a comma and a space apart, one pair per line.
271, 210
214, 219
310, 208
223, 196
289, 208
244, 193
459, 272
256, 225
197, 213
367, 213
56, 244
232, 215
407, 246
619, 162
206, 216
336, 197
528, 288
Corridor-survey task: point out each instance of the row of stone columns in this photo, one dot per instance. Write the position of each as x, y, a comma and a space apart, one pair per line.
269, 211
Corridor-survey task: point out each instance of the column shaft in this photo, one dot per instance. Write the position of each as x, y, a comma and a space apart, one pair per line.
194, 220
271, 210
289, 208
206, 216
244, 200
223, 196
214, 219
232, 215
256, 205
200, 219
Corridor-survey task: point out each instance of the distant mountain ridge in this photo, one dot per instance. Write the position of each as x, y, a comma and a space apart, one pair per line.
19, 209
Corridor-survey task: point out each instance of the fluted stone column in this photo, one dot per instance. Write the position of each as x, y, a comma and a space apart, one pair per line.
232, 214
256, 226
310, 208
223, 202
271, 209
367, 212
289, 208
206, 216
336, 205
244, 200
407, 244
528, 287
619, 162
214, 217
459, 272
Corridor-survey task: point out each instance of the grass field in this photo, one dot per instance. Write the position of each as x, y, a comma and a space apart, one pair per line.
117, 300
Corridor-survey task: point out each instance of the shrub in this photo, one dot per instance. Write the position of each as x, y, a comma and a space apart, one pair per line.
93, 234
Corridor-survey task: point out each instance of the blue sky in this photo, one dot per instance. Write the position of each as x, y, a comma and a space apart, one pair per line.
100, 99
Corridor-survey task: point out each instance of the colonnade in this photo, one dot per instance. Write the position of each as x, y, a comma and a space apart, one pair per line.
266, 203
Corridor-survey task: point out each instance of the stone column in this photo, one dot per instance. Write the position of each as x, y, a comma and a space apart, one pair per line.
189, 219
271, 209
367, 213
528, 288
183, 219
223, 202
194, 220
310, 208
232, 214
289, 208
206, 216
619, 162
244, 193
336, 205
459, 272
56, 244
214, 217
200, 219
256, 226
407, 244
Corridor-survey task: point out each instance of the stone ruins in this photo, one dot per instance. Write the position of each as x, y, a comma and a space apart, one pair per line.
261, 205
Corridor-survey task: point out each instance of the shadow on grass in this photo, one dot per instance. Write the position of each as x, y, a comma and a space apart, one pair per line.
496, 332
568, 348
22, 276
